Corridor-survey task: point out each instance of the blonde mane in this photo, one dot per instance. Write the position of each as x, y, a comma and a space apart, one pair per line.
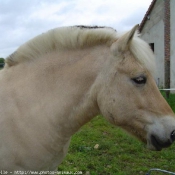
61, 39
143, 53
78, 37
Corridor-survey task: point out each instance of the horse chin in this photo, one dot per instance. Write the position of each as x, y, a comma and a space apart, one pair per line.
153, 148
154, 145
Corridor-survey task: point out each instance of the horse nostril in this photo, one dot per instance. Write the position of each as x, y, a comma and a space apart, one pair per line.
173, 136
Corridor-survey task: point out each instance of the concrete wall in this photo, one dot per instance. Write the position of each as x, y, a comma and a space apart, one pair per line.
172, 27
153, 32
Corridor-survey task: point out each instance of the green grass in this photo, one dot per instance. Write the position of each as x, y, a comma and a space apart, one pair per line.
170, 100
117, 154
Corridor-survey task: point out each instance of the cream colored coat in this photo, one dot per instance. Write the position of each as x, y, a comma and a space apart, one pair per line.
57, 82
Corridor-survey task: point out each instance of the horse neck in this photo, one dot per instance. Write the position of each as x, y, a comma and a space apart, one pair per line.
80, 76
72, 78
90, 69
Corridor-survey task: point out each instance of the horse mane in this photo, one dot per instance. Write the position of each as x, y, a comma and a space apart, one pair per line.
61, 39
143, 53
78, 37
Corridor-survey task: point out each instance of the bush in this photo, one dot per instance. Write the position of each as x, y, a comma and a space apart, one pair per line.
2, 60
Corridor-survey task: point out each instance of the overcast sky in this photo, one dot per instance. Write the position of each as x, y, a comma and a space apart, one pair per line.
21, 20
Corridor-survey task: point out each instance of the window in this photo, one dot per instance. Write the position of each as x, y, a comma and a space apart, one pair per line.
152, 46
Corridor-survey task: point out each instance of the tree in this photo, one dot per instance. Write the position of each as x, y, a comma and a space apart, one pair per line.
2, 60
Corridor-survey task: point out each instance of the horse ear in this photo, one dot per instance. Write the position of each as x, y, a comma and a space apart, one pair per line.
130, 34
123, 42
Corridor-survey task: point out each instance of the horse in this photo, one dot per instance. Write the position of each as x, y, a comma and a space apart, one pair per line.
58, 81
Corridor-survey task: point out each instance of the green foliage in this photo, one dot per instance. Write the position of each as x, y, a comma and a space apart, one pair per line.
2, 60
117, 154
170, 100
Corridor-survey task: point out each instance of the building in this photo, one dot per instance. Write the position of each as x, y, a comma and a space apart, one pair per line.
158, 29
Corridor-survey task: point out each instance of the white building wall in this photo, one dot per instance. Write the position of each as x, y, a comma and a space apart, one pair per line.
156, 35
153, 32
172, 43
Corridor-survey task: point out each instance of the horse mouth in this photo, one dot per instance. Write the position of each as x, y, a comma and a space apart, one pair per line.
158, 144
155, 143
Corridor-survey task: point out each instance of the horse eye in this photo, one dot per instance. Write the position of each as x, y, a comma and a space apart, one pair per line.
141, 80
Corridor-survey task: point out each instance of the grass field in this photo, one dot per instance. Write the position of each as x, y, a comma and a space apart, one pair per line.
171, 100
115, 152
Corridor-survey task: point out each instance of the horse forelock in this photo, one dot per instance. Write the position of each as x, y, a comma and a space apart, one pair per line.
61, 39
143, 53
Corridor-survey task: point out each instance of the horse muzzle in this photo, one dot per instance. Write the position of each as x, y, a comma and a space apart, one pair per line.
161, 134
157, 143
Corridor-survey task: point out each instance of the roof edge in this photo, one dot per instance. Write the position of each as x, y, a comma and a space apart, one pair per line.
147, 13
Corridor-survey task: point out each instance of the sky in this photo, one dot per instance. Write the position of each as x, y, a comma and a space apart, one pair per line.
21, 20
